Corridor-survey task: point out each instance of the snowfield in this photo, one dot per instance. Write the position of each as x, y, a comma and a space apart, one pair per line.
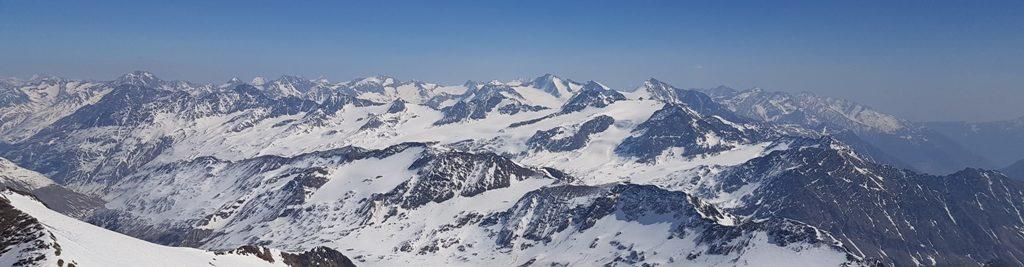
71, 241
547, 172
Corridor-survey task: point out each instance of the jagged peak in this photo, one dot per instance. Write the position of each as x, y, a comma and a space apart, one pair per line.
383, 80
493, 87
547, 76
554, 85
44, 77
420, 83
593, 85
655, 86
398, 105
655, 82
322, 80
656, 89
234, 81
258, 81
139, 78
471, 84
723, 87
297, 81
138, 74
721, 90
289, 77
144, 73
546, 79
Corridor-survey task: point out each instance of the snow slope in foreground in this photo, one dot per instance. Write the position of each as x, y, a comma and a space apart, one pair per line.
34, 235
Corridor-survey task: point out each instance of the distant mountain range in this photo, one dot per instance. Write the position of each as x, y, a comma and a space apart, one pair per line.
1015, 170
999, 141
550, 171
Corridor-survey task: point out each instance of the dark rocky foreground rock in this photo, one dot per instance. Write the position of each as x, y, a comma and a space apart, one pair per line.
22, 235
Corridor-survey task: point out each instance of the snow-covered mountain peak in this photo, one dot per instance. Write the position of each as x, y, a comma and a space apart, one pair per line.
322, 80
547, 172
651, 82
592, 95
28, 106
654, 89
808, 109
139, 78
258, 81
379, 80
43, 77
231, 83
471, 84
291, 79
721, 89
594, 85
290, 85
546, 78
554, 85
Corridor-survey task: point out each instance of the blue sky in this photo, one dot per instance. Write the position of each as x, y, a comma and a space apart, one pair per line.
925, 60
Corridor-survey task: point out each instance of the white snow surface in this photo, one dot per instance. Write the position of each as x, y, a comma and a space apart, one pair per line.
87, 245
12, 174
218, 192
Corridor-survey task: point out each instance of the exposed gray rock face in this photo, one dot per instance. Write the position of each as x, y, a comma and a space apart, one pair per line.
67, 161
592, 95
676, 126
442, 176
554, 85
477, 104
544, 214
814, 182
696, 100
396, 106
898, 216
558, 140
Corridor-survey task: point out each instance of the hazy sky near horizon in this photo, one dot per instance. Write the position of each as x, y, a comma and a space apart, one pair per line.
923, 60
